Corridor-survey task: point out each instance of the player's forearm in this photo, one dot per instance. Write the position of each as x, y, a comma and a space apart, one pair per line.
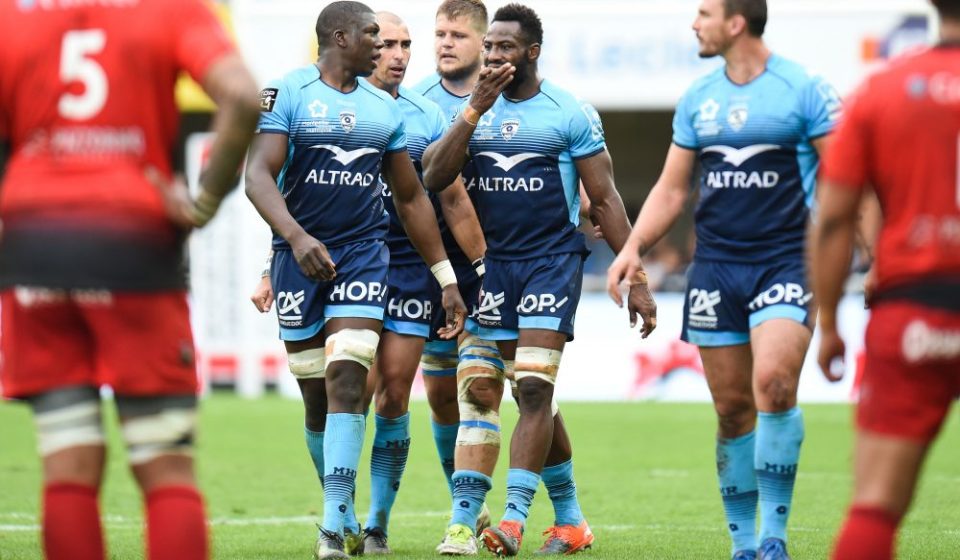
658, 214
419, 221
444, 159
233, 129
262, 191
611, 216
830, 249
462, 220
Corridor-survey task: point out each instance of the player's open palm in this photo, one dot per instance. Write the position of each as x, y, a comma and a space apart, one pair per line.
830, 356
313, 258
456, 312
640, 302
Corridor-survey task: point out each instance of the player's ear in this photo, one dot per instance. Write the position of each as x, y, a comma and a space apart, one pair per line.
737, 25
340, 38
533, 52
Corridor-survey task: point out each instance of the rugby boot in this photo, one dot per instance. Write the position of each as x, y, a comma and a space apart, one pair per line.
329, 546
483, 519
375, 541
773, 549
504, 539
459, 541
566, 539
744, 555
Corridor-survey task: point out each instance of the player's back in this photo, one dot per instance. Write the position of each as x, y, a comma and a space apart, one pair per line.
87, 97
909, 120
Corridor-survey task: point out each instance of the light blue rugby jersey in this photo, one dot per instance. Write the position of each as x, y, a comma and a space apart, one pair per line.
336, 145
758, 165
526, 187
424, 123
431, 88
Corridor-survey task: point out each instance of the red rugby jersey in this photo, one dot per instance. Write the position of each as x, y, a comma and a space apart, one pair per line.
900, 134
87, 98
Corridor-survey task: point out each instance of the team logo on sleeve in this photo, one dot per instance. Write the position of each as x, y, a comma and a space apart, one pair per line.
268, 97
348, 120
737, 116
509, 128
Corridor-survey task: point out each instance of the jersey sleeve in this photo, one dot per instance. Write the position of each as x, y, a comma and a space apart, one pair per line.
586, 131
439, 123
276, 108
821, 107
398, 140
683, 132
846, 162
199, 37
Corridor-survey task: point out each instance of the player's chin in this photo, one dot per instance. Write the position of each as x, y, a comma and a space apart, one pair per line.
707, 52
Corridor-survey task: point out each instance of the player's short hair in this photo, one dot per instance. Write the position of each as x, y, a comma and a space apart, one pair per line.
949, 9
339, 15
474, 10
530, 25
754, 11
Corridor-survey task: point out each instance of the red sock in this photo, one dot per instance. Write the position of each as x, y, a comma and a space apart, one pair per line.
868, 534
71, 522
176, 525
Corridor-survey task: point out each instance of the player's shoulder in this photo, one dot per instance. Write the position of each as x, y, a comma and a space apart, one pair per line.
427, 84
705, 83
792, 73
299, 78
421, 103
562, 98
375, 94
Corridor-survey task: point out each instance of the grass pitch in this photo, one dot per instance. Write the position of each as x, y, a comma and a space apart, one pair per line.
644, 471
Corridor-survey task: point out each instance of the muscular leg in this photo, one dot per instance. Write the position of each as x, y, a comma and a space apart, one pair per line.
439, 364
395, 365
728, 372
779, 347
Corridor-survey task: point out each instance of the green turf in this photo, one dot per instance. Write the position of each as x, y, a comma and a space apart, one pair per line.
644, 471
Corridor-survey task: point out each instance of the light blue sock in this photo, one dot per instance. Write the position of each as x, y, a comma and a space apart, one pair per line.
315, 447
563, 493
521, 486
469, 492
779, 436
391, 445
738, 489
445, 437
341, 455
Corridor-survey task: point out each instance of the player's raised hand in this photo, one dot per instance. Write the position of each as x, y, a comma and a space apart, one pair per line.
830, 356
640, 302
492, 81
312, 256
456, 312
262, 296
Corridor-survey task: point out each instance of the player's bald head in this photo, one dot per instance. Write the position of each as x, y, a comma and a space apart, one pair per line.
948, 9
344, 16
753, 11
473, 10
384, 16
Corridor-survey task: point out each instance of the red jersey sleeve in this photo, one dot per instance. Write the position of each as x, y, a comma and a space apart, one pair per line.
847, 161
200, 38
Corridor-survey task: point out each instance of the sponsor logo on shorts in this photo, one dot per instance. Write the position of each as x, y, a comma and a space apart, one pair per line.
359, 291
288, 307
923, 343
539, 303
410, 308
489, 310
702, 313
788, 292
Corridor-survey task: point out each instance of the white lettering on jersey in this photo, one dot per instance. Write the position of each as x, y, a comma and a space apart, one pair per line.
348, 178
496, 184
346, 157
737, 157
508, 163
921, 343
742, 179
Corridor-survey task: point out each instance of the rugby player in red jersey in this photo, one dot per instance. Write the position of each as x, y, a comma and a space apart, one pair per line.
91, 281
900, 135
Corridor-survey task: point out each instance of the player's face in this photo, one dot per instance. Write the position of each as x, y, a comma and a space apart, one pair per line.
363, 51
505, 43
395, 54
457, 45
711, 28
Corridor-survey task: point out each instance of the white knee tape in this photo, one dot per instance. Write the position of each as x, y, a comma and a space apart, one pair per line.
479, 358
542, 363
168, 432
554, 407
308, 364
509, 369
437, 364
515, 391
478, 425
354, 345
70, 426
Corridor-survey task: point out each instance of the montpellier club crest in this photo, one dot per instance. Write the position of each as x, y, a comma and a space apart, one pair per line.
348, 120
509, 128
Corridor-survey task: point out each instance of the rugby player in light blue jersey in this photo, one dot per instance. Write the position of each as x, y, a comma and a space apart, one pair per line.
325, 136
757, 125
529, 147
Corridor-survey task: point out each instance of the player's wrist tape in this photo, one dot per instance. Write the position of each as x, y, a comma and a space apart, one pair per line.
268, 264
639, 278
443, 272
204, 207
471, 115
479, 267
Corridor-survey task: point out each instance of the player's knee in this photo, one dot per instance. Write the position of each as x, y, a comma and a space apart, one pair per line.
154, 427
736, 415
353, 345
67, 418
480, 373
534, 395
393, 399
778, 389
479, 425
308, 364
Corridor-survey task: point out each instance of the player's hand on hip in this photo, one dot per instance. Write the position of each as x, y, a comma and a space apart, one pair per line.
313, 258
262, 296
869, 286
175, 197
491, 83
456, 312
830, 356
625, 266
640, 302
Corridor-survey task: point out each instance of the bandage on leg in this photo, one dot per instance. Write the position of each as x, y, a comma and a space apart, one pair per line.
67, 418
355, 345
308, 364
479, 423
156, 426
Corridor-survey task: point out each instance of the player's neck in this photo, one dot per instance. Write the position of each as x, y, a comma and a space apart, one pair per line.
746, 60
461, 87
336, 75
393, 91
523, 90
950, 31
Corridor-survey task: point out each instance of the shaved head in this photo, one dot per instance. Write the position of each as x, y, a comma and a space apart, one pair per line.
342, 16
384, 16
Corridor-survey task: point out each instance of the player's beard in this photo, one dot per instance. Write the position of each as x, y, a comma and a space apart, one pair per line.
458, 74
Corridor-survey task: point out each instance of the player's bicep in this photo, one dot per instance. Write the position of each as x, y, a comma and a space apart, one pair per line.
596, 175
677, 169
268, 153
821, 144
227, 80
400, 174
